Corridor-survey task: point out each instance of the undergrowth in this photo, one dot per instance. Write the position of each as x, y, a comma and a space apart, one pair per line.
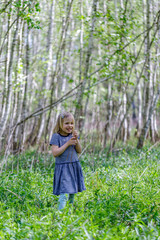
122, 200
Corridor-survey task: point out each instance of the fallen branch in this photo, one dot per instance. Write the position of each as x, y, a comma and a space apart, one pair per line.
153, 146
63, 98
84, 150
13, 193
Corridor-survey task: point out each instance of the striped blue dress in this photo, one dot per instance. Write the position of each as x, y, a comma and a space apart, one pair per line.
68, 176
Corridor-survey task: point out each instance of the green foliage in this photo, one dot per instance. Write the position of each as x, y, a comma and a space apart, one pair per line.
27, 10
121, 200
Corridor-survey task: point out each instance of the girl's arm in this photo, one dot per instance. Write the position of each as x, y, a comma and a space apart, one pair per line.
78, 145
57, 151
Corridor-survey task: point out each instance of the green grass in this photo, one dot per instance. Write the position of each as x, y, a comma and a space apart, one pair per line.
122, 200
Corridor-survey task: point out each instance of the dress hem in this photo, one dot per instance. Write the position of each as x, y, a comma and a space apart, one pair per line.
68, 192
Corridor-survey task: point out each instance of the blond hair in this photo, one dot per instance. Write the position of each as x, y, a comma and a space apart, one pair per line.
60, 119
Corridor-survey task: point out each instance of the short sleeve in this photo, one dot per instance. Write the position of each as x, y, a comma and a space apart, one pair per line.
54, 140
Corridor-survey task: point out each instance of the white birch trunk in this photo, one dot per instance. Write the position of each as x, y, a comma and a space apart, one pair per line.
46, 81
155, 96
124, 112
139, 124
80, 111
154, 69
26, 85
16, 99
5, 116
147, 82
81, 41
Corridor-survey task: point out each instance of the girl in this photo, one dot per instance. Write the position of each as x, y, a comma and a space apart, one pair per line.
68, 176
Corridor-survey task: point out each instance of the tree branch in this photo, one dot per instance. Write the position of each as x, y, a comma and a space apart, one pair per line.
155, 21
3, 9
64, 97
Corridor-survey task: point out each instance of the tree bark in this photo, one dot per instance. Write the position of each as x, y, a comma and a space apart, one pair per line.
79, 111
9, 67
54, 85
147, 123
18, 92
46, 79
147, 80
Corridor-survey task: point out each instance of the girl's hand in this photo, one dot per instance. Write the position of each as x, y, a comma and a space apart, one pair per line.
57, 151
72, 141
78, 145
75, 134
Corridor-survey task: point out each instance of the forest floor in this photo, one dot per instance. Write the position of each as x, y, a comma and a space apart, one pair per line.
122, 200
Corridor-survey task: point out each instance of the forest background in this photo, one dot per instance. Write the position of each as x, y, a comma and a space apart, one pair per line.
97, 59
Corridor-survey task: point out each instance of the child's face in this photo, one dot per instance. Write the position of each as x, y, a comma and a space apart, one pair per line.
67, 126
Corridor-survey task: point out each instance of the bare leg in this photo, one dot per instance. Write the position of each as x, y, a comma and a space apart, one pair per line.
62, 201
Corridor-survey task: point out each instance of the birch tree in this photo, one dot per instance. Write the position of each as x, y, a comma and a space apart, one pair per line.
79, 115
148, 87
8, 76
46, 79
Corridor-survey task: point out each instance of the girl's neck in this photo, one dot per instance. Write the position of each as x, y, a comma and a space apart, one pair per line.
63, 133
